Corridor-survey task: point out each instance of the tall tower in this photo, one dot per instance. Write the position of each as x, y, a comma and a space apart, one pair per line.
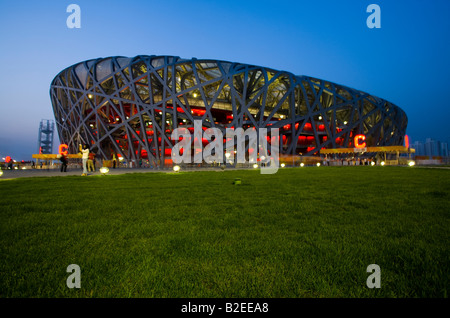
45, 139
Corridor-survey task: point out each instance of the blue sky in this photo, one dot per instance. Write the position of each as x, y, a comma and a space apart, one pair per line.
406, 61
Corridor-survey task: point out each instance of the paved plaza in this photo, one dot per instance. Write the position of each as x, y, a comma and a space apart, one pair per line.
27, 173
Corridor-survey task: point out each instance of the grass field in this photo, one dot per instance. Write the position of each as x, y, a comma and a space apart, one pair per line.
304, 232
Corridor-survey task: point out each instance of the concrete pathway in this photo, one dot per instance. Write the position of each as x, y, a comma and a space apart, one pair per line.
28, 173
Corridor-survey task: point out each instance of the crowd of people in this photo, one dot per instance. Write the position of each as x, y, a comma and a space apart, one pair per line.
88, 160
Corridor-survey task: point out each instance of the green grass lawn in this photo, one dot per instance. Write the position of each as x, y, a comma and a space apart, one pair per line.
304, 232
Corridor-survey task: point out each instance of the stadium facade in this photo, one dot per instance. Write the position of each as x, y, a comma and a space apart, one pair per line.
128, 107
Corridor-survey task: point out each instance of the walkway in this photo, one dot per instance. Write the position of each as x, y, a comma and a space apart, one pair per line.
27, 173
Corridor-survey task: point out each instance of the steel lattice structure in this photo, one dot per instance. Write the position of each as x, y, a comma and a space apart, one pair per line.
45, 137
129, 106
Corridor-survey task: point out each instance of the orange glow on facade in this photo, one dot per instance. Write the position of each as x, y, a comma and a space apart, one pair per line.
406, 141
63, 149
358, 139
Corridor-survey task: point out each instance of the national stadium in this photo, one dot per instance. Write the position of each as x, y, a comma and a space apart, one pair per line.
129, 106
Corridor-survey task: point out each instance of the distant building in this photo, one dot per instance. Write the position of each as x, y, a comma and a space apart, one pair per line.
419, 147
444, 149
431, 148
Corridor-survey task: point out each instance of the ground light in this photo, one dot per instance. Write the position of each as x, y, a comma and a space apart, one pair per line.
382, 163
318, 164
283, 165
104, 170
176, 168
1, 173
227, 155
372, 163
411, 163
255, 166
302, 164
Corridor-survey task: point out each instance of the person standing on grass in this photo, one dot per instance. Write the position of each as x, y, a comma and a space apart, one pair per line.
85, 157
63, 160
90, 162
114, 160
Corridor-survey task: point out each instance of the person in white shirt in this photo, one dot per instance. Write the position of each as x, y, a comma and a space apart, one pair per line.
85, 157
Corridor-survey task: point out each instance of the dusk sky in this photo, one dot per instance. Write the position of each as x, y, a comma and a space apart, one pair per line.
406, 61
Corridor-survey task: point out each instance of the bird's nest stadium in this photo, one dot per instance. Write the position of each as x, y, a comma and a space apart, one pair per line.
129, 106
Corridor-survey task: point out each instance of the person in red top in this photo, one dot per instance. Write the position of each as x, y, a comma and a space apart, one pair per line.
90, 162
